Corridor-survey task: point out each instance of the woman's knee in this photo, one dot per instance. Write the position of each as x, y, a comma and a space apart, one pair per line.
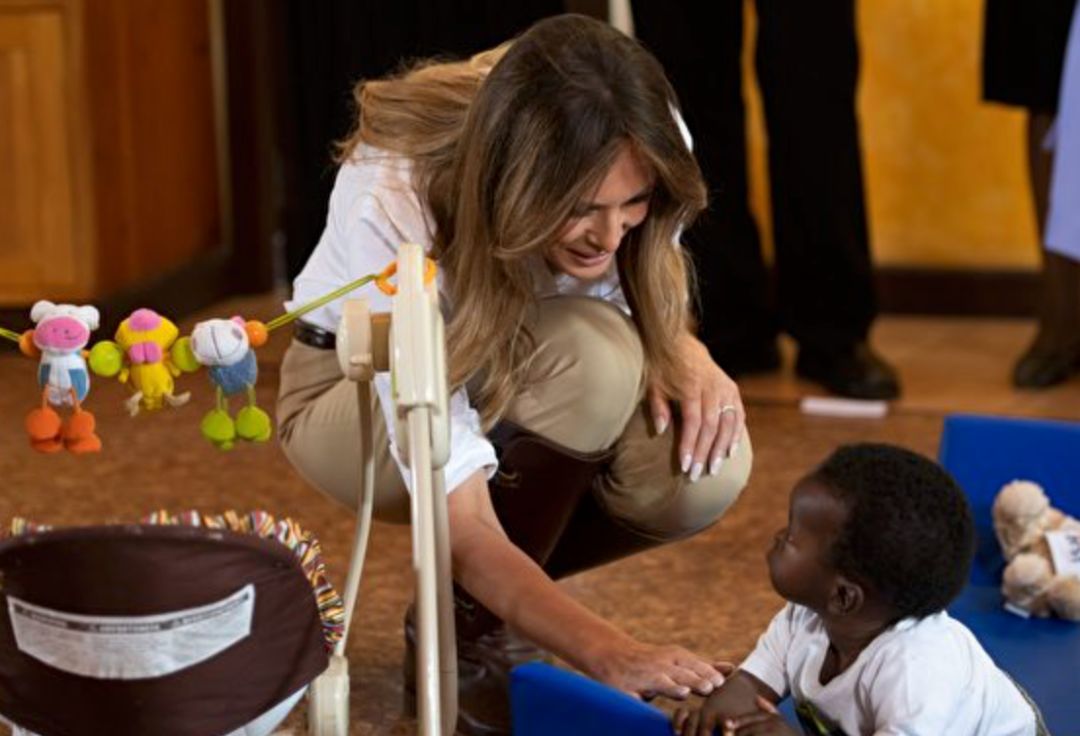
704, 502
319, 432
585, 379
682, 508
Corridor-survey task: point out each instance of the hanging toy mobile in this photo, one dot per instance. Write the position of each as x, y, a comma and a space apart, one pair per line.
140, 357
147, 354
226, 348
62, 331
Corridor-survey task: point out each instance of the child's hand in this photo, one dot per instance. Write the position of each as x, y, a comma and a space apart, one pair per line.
733, 710
766, 722
687, 722
734, 697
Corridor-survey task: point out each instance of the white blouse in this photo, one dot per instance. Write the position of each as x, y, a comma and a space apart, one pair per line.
373, 209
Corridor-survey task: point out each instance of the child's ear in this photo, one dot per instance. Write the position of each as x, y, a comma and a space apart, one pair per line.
846, 598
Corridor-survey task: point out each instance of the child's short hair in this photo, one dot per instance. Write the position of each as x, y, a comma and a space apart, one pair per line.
908, 532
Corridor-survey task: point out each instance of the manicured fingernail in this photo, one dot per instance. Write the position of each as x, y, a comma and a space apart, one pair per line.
716, 464
695, 473
733, 449
707, 688
686, 462
661, 425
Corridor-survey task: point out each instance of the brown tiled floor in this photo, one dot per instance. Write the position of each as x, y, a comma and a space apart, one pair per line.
709, 593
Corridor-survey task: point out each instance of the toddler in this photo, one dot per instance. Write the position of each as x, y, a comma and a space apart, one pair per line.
879, 541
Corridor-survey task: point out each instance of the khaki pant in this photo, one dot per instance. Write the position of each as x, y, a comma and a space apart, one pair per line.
584, 392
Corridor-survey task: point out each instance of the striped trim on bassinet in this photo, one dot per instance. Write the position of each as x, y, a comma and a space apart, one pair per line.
303, 544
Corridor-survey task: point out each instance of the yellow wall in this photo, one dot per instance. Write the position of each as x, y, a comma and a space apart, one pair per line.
945, 172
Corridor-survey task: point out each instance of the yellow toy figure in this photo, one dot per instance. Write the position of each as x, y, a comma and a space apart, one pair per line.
140, 356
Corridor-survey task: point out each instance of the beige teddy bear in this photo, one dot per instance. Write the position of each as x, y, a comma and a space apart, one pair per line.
1022, 515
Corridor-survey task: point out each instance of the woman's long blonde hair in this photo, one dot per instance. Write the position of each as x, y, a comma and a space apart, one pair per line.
505, 146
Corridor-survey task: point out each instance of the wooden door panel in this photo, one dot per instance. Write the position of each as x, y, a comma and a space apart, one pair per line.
38, 252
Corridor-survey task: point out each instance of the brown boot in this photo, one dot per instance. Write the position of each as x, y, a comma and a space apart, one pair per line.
485, 661
535, 493
593, 538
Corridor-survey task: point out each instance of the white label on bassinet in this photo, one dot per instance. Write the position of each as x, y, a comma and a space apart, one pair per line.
131, 647
1065, 549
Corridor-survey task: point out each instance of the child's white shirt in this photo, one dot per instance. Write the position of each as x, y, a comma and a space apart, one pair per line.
925, 677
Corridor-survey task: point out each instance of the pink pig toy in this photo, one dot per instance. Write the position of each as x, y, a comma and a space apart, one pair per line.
62, 331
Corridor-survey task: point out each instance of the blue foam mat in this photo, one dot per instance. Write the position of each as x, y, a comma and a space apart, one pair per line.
984, 453
546, 700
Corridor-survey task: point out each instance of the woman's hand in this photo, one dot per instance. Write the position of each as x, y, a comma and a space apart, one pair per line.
518, 591
713, 418
646, 670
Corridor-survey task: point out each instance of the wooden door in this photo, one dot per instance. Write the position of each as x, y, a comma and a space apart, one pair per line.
42, 225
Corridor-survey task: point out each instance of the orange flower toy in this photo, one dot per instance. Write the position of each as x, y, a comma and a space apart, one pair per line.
61, 333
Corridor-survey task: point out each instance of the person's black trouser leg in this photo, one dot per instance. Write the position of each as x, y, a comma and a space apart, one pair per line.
807, 64
700, 48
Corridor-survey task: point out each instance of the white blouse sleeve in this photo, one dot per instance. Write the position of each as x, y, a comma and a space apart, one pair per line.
372, 211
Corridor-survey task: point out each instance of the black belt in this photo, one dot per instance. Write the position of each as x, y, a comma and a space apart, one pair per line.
316, 337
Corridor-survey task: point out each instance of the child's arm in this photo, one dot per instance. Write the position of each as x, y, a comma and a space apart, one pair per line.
736, 697
739, 694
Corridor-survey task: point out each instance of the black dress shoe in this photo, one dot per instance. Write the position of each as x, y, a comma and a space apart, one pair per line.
856, 373
747, 359
1042, 367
